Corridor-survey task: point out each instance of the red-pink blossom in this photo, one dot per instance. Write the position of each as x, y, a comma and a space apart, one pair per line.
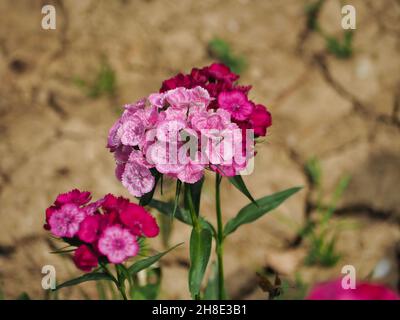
139, 221
85, 258
236, 103
333, 290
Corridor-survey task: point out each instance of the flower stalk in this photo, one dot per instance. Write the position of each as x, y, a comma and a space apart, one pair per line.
219, 239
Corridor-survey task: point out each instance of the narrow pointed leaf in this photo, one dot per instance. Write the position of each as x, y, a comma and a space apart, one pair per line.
177, 194
94, 276
195, 191
200, 249
147, 262
252, 212
238, 182
211, 291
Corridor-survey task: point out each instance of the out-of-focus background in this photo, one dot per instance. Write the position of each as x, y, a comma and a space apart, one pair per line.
334, 97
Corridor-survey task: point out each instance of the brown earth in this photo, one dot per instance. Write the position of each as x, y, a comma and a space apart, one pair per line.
344, 112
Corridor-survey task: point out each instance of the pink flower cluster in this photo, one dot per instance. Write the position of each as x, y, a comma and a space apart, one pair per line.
220, 83
106, 229
333, 290
152, 134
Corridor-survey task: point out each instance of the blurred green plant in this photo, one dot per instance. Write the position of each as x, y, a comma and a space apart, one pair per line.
104, 83
150, 290
321, 237
312, 10
219, 49
341, 47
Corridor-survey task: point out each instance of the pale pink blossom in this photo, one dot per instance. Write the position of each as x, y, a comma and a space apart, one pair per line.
118, 244
137, 178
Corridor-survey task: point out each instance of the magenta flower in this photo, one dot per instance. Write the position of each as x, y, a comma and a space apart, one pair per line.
85, 259
74, 196
364, 291
107, 228
64, 222
89, 229
260, 120
236, 103
118, 244
139, 221
192, 171
219, 71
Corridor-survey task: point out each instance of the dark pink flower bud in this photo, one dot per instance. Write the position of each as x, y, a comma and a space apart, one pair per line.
85, 259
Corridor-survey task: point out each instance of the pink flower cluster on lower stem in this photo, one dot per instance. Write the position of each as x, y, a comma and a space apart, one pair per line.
333, 290
108, 228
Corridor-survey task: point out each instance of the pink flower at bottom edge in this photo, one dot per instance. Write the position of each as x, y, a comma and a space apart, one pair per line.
333, 290
85, 259
118, 244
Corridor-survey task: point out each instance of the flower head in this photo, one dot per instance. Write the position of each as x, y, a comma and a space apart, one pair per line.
139, 221
65, 221
118, 244
105, 229
85, 259
236, 103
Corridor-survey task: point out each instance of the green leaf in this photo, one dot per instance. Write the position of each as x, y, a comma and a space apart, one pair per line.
238, 182
195, 191
177, 194
94, 276
314, 172
147, 262
251, 212
146, 198
211, 291
200, 249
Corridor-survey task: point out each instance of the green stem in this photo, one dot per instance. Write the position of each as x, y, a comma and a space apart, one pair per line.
194, 217
120, 283
116, 281
220, 239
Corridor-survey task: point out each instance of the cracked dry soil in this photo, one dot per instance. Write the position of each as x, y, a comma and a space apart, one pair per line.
344, 112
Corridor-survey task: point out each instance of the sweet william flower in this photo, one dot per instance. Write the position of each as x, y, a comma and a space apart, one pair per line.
118, 244
90, 229
65, 221
260, 120
137, 178
139, 221
85, 259
219, 71
218, 79
180, 80
333, 290
74, 196
236, 103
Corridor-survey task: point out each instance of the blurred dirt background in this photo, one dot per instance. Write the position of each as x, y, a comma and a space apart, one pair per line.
345, 112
